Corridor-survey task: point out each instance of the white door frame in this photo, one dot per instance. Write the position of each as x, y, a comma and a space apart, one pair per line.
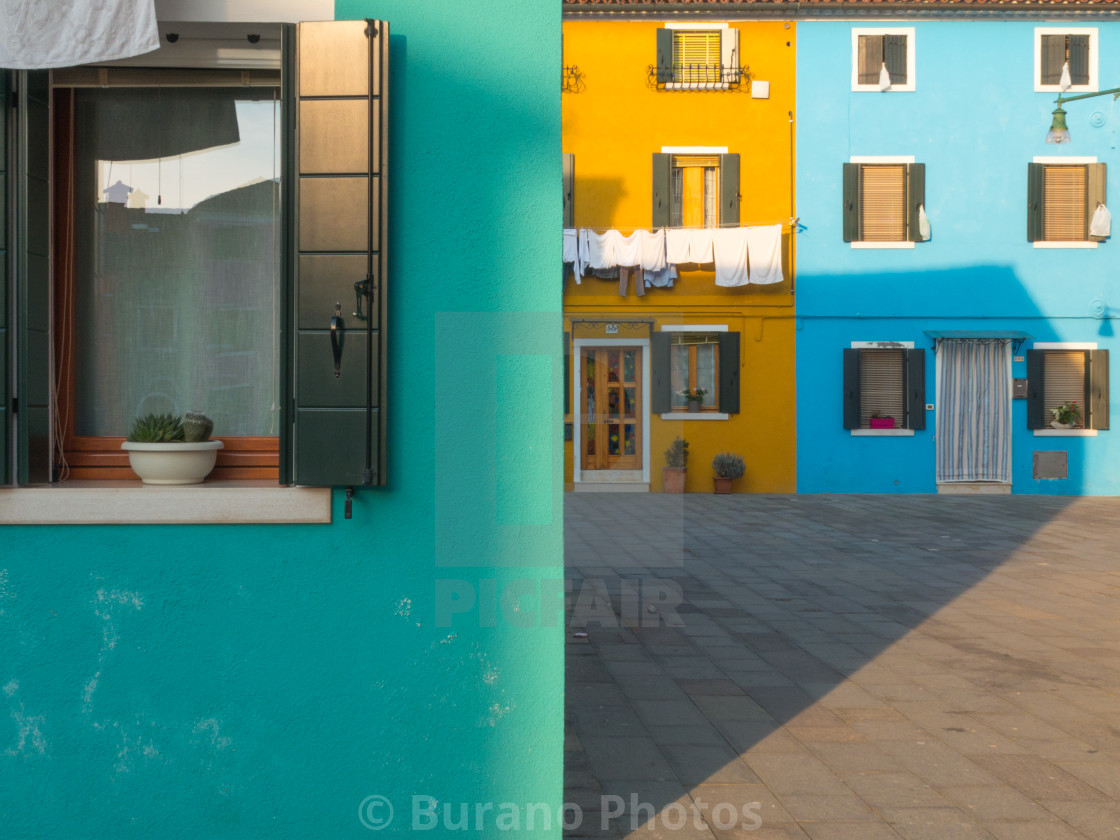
577, 390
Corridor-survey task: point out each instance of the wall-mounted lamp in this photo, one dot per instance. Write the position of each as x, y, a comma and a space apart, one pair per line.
1059, 131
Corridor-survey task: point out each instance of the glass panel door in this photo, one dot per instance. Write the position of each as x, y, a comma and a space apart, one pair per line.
611, 409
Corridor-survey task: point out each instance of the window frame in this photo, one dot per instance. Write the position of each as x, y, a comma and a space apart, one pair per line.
729, 361
913, 172
726, 31
1094, 58
913, 380
1036, 388
911, 72
1073, 244
692, 361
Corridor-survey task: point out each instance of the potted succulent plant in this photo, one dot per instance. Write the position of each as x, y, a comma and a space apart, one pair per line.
728, 466
676, 466
695, 397
880, 422
165, 449
1066, 416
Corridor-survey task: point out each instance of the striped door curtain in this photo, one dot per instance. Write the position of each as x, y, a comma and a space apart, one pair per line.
974, 410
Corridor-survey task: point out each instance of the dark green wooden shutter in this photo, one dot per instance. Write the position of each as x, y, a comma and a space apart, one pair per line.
729, 367
851, 389
339, 236
1036, 361
1095, 195
1078, 60
729, 190
5, 258
664, 55
850, 213
915, 389
661, 382
569, 184
32, 260
915, 199
870, 58
567, 373
894, 55
1098, 389
1053, 57
1034, 203
661, 190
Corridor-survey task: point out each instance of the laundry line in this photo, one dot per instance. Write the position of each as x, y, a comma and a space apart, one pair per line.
787, 222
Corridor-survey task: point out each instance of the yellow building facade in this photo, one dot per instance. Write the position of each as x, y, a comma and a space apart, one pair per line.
680, 125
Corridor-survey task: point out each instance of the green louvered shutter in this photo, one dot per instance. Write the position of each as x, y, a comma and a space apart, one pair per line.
339, 197
5, 262
1053, 48
915, 199
32, 273
664, 55
729, 368
894, 56
662, 200
1035, 174
851, 389
850, 213
870, 59
569, 174
1078, 60
1098, 389
1036, 359
1096, 194
567, 373
661, 390
729, 190
915, 389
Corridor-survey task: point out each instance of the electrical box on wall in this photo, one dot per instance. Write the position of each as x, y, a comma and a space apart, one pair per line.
1019, 389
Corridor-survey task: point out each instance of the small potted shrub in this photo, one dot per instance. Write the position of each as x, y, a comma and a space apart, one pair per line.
695, 397
880, 422
728, 466
165, 449
1066, 416
676, 466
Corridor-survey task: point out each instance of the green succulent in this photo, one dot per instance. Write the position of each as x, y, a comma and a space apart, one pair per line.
196, 427
156, 428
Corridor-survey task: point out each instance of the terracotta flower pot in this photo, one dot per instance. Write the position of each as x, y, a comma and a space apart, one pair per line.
723, 485
673, 479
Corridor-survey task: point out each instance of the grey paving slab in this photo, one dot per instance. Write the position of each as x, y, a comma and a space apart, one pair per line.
880, 668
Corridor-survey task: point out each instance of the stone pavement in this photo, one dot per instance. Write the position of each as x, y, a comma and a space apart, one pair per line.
859, 667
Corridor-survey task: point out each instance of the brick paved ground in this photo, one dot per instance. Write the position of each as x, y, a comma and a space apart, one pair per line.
862, 667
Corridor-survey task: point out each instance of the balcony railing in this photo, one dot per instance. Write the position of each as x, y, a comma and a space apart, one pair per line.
698, 77
571, 79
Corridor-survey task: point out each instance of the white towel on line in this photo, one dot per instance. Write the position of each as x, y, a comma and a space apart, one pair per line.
700, 245
571, 250
688, 245
653, 249
764, 250
676, 246
627, 249
598, 248
730, 251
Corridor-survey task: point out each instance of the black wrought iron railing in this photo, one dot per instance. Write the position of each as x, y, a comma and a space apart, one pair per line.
571, 79
698, 77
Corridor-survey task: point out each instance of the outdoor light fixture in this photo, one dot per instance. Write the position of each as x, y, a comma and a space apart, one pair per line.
1059, 131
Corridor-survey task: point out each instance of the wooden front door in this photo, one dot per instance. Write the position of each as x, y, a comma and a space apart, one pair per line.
611, 408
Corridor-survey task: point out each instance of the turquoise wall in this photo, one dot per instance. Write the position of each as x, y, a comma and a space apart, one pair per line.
975, 130
251, 681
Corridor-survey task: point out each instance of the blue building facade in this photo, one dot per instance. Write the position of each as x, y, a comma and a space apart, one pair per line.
947, 280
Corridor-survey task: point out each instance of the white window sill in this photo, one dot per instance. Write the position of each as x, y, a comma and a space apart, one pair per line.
131, 503
1041, 88
1074, 245
697, 86
868, 246
875, 89
700, 415
1065, 432
882, 432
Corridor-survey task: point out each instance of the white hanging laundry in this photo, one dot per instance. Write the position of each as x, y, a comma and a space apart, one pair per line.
923, 223
571, 251
884, 78
764, 251
627, 249
35, 35
1101, 225
653, 249
700, 245
676, 246
730, 251
1066, 82
662, 279
600, 248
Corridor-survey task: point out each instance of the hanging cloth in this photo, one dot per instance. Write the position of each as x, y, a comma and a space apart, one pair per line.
36, 35
571, 252
974, 410
764, 251
627, 249
676, 246
653, 249
884, 78
1066, 82
700, 245
923, 223
1101, 225
730, 251
599, 249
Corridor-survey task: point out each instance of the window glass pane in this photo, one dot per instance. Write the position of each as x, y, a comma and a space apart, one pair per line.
711, 196
177, 257
706, 372
679, 374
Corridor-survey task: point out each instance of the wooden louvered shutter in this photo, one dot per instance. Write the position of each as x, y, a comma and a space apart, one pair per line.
729, 367
1064, 379
1035, 361
850, 213
915, 199
696, 56
662, 198
729, 190
1034, 202
1095, 195
870, 59
567, 373
894, 56
661, 373
881, 386
664, 56
915, 390
1064, 205
851, 388
1053, 48
1098, 389
1078, 59
569, 168
882, 202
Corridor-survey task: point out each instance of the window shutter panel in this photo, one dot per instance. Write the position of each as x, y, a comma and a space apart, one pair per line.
894, 54
661, 381
1035, 175
1053, 56
729, 54
569, 184
32, 260
664, 55
339, 235
870, 59
915, 198
729, 366
729, 190
1035, 361
5, 182
1078, 59
567, 373
662, 200
1095, 195
851, 202
851, 389
1098, 389
915, 390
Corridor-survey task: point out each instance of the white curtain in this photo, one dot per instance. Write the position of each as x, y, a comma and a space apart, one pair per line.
38, 34
974, 410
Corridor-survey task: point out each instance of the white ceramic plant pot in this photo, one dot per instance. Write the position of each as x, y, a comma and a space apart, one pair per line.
172, 463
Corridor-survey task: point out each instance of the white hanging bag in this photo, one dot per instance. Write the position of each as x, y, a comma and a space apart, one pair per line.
1101, 225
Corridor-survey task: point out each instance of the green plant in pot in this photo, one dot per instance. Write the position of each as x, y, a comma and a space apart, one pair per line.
728, 466
676, 465
1067, 415
695, 397
167, 449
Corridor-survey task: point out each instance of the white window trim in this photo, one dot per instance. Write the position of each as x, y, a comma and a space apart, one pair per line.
882, 345
1058, 160
702, 415
672, 24
694, 150
1094, 53
1064, 345
884, 159
911, 75
882, 432
698, 27
694, 328
1065, 432
863, 245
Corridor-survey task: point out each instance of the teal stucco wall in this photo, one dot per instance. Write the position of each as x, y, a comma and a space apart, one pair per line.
265, 681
